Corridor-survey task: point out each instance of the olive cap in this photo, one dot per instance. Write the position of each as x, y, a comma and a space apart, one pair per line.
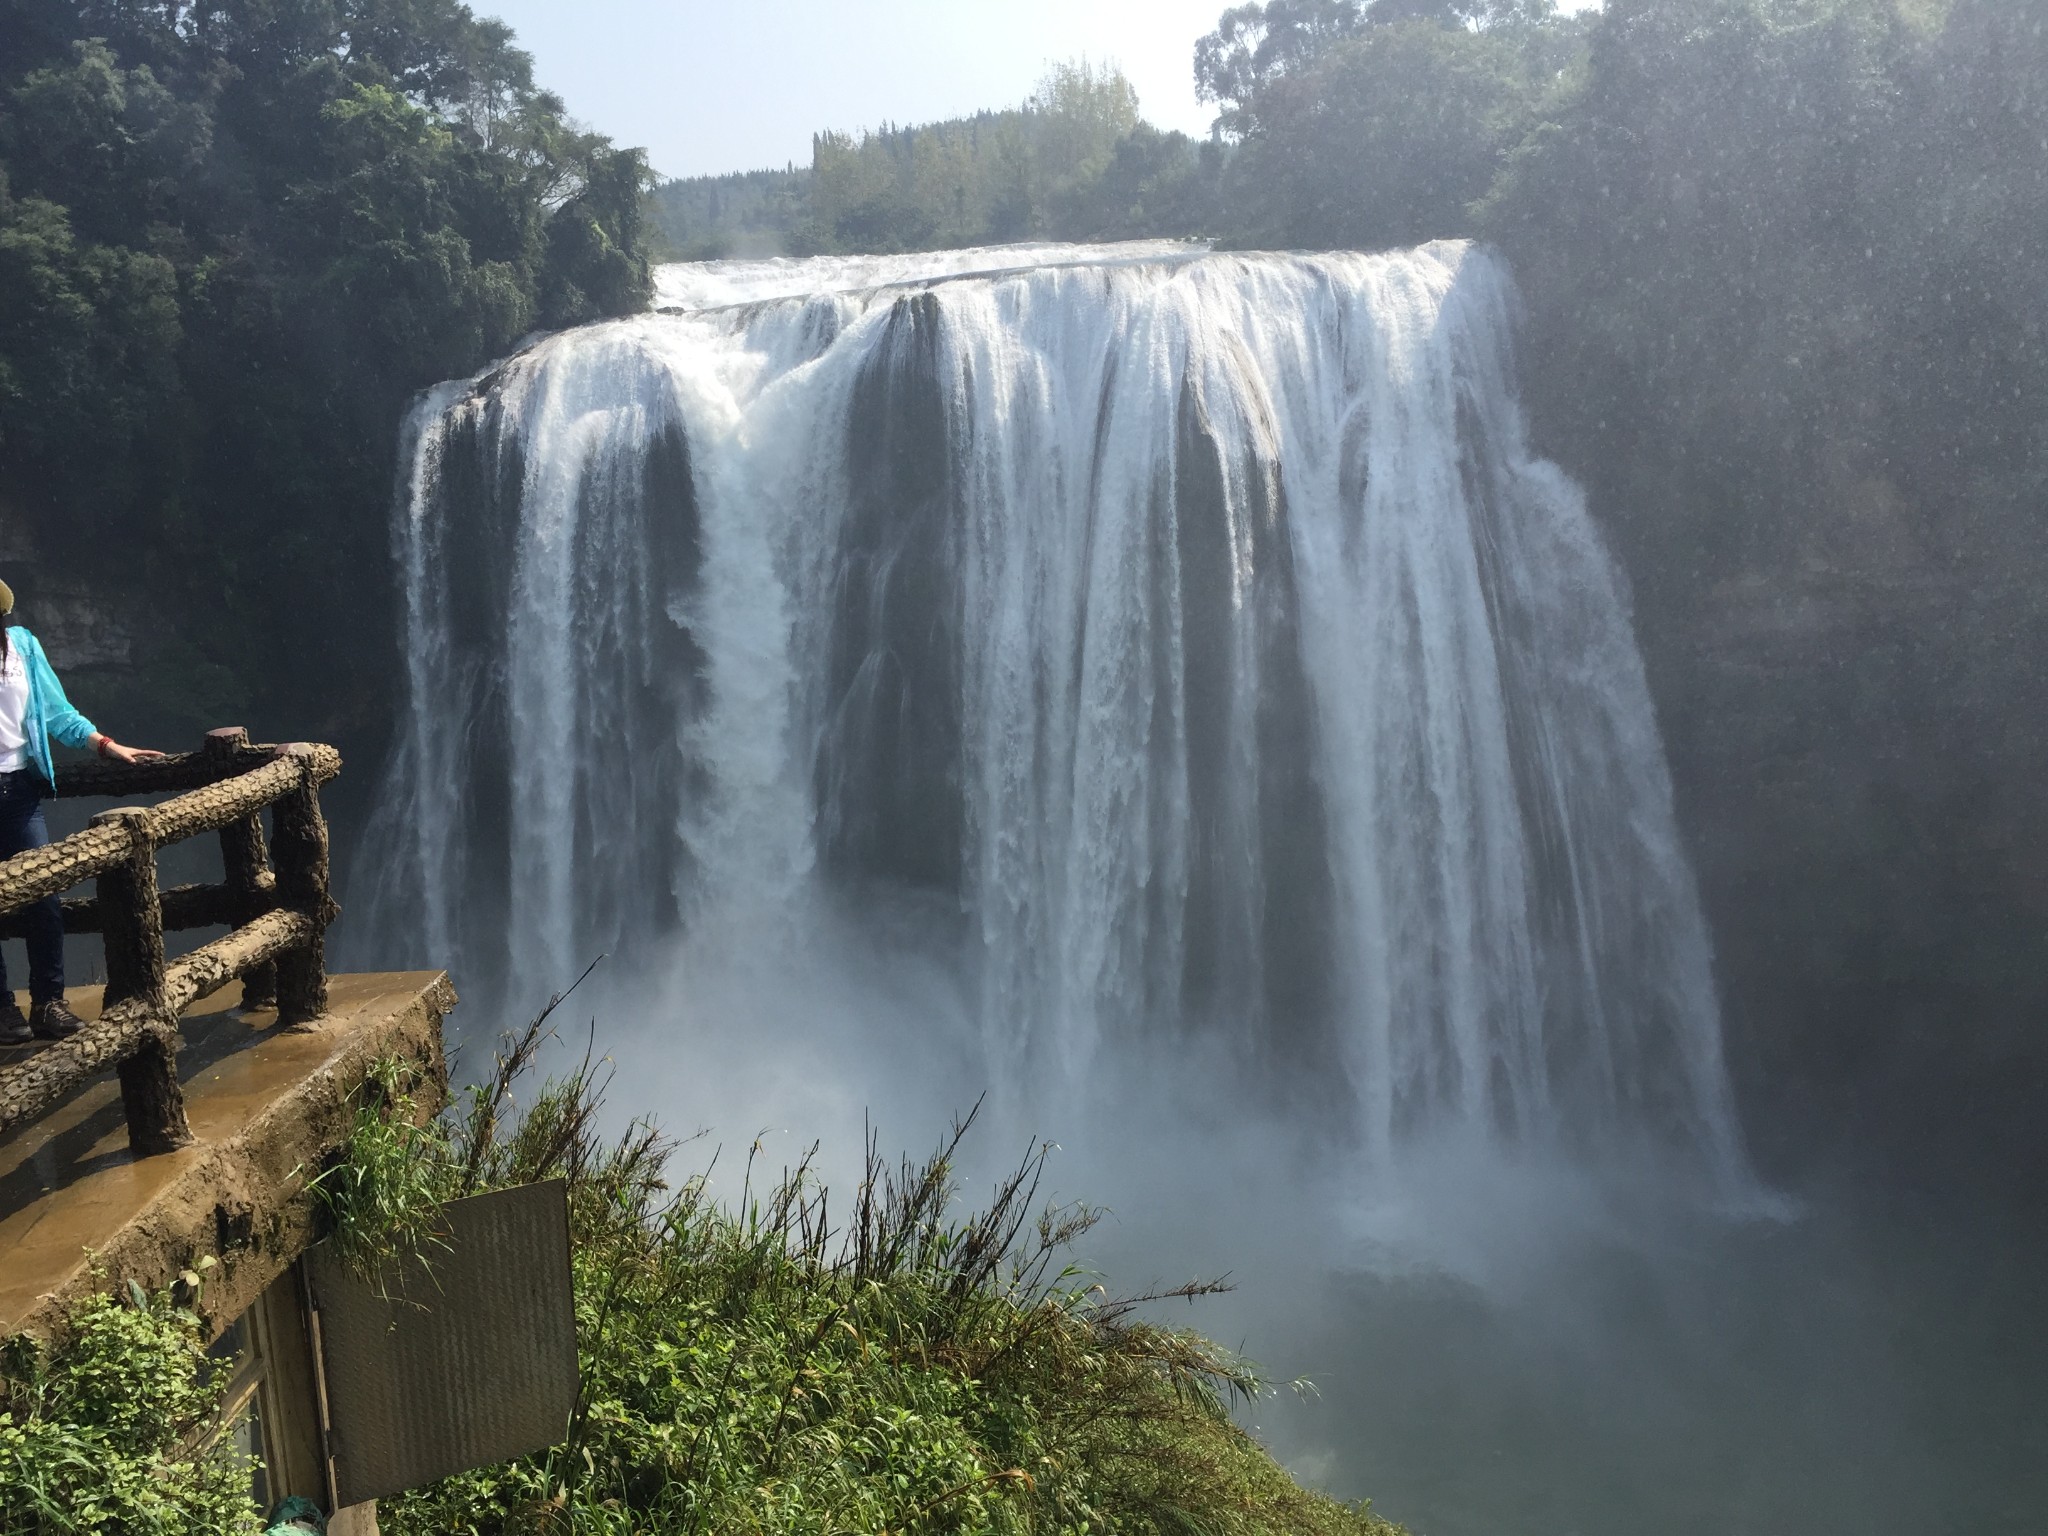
6, 599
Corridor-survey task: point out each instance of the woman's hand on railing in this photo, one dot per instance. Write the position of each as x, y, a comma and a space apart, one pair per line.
107, 747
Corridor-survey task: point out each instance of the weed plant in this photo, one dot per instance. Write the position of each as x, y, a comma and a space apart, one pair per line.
761, 1368
109, 1432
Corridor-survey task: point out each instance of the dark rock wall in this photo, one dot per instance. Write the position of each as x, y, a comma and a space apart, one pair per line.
1857, 720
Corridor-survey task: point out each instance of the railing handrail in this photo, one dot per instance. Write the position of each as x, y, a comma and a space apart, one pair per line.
279, 918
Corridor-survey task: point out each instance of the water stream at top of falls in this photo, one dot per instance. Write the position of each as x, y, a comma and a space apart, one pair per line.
1190, 642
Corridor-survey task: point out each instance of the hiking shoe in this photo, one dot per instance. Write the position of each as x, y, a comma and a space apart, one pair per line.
14, 1028
52, 1019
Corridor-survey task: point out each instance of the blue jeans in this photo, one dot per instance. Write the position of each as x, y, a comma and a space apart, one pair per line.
22, 828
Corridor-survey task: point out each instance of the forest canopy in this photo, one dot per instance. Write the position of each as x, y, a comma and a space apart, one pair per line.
1074, 161
235, 237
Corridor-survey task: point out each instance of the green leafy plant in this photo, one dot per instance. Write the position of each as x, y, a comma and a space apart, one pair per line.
109, 1432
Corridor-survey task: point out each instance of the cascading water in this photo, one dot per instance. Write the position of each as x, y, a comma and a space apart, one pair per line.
1195, 634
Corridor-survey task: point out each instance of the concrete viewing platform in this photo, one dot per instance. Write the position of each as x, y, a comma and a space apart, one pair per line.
267, 1105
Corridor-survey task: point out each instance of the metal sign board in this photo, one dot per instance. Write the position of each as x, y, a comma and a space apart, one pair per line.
460, 1358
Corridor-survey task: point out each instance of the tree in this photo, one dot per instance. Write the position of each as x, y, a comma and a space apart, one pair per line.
1256, 45
1155, 183
1388, 138
1034, 170
235, 237
88, 335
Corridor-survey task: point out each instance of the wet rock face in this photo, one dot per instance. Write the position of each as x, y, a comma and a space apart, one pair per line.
80, 626
1857, 734
886, 777
1259, 948
84, 630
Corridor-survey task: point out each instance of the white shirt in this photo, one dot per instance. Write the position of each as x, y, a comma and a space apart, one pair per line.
13, 712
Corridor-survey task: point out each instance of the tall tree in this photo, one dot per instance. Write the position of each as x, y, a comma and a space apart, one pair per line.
235, 236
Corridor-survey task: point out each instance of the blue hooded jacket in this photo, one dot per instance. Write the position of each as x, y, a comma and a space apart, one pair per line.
50, 715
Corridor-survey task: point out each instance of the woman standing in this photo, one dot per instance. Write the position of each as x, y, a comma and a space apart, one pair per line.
34, 712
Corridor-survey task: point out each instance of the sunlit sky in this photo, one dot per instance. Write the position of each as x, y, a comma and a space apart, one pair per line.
742, 84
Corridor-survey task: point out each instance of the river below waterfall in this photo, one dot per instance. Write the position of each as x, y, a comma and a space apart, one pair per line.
1160, 695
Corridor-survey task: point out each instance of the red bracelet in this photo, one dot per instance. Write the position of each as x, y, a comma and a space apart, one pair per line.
105, 742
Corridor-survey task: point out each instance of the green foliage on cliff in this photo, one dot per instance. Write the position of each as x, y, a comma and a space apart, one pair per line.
234, 238
104, 1433
1074, 162
754, 1368
1783, 267
1775, 234
1374, 125
743, 1369
742, 213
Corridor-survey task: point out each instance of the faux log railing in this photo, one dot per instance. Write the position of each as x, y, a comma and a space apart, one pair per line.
279, 917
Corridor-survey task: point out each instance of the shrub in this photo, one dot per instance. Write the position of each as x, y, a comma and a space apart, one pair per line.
105, 1432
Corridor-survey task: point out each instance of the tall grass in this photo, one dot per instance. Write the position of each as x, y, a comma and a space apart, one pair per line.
764, 1367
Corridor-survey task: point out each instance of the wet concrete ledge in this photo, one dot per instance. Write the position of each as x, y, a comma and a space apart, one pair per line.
79, 1212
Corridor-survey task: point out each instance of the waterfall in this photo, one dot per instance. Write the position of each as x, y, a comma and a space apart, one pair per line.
1194, 635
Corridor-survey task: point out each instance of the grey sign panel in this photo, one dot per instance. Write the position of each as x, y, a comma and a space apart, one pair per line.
460, 1359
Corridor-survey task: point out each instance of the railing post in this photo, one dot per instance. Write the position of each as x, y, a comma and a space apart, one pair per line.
300, 849
245, 864
131, 922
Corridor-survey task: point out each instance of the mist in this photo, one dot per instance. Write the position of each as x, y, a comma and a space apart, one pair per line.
1478, 1342
794, 627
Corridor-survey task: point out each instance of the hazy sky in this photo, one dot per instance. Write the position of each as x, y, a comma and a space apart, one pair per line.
742, 84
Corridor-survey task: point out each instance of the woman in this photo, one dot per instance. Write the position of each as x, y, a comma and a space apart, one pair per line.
33, 712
